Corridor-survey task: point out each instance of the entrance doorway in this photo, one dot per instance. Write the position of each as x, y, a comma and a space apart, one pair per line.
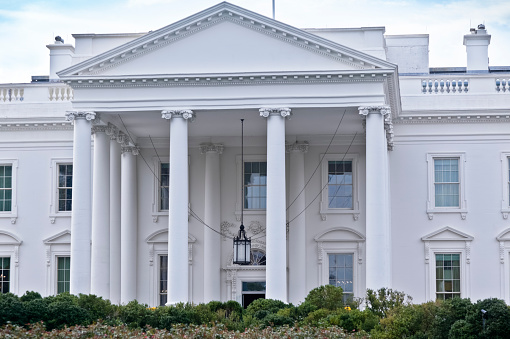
253, 290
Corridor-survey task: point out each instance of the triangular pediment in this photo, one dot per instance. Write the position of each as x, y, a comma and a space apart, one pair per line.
161, 236
340, 234
63, 237
7, 238
224, 39
447, 234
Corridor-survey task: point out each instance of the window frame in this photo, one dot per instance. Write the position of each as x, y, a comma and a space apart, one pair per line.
324, 208
435, 274
157, 212
10, 273
505, 179
240, 185
54, 170
58, 245
13, 213
57, 269
431, 202
354, 278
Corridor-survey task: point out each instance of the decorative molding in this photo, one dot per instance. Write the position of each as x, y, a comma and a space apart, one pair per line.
297, 147
453, 117
99, 128
254, 228
427, 252
178, 113
35, 126
501, 252
383, 110
211, 148
130, 149
73, 115
283, 111
468, 252
151, 254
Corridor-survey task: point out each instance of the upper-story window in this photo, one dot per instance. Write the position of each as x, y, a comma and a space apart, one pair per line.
164, 177
446, 182
65, 187
5, 188
255, 181
340, 184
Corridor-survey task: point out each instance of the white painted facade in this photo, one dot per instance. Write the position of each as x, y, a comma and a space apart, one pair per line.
119, 105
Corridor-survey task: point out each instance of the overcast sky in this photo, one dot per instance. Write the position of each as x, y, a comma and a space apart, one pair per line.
27, 26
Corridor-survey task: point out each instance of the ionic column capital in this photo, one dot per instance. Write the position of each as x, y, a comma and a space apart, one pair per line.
178, 113
135, 150
383, 110
297, 147
99, 128
283, 111
211, 148
73, 115
112, 131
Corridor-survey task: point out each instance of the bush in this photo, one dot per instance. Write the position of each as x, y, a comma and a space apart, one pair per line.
97, 307
449, 312
498, 323
268, 305
62, 313
327, 296
385, 299
11, 309
29, 296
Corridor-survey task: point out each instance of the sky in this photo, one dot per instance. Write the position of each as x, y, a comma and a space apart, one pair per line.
27, 26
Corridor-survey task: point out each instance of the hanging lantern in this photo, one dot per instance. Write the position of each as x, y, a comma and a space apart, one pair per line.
242, 248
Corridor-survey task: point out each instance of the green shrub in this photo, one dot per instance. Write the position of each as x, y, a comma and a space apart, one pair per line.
11, 309
36, 310
97, 307
498, 323
62, 313
327, 296
269, 305
448, 312
233, 309
460, 330
133, 314
318, 317
384, 299
29, 296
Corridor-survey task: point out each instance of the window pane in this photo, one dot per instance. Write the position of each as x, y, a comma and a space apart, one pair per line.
340, 187
255, 185
447, 275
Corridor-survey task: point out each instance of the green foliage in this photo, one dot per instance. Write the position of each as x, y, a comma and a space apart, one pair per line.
11, 309
29, 296
327, 296
449, 312
97, 307
268, 306
62, 313
318, 317
384, 299
497, 324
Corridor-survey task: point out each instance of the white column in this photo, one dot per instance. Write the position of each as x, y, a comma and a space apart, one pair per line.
82, 210
100, 257
276, 230
297, 230
116, 138
378, 249
128, 224
178, 206
212, 242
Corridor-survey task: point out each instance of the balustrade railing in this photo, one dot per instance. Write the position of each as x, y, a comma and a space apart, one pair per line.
11, 94
54, 92
503, 85
437, 86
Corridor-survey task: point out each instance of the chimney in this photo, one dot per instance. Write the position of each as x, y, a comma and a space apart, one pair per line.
61, 56
477, 49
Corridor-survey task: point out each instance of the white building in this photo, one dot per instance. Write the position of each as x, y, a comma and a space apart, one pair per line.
381, 171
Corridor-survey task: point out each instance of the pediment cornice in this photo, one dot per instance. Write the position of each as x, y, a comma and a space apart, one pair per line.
447, 234
152, 41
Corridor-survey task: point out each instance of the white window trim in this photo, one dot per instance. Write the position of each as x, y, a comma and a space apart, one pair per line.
9, 248
324, 204
447, 241
505, 203
335, 241
156, 212
58, 245
431, 206
504, 259
240, 182
158, 246
13, 213
54, 212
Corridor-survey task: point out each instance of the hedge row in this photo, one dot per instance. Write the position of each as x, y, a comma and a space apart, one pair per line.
386, 314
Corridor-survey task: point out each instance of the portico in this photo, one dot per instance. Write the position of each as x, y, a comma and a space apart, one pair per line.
186, 114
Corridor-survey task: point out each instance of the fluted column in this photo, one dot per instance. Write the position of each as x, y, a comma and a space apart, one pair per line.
116, 138
276, 251
100, 257
178, 206
297, 230
81, 214
212, 242
378, 249
128, 224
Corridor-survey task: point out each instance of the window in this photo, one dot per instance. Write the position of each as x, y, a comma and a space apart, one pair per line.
339, 193
341, 272
447, 276
446, 182
163, 276
5, 274
340, 184
164, 177
255, 180
65, 187
5, 188
63, 274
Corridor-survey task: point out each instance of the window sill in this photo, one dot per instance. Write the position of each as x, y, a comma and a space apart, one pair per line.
54, 216
325, 211
461, 211
505, 212
12, 215
249, 212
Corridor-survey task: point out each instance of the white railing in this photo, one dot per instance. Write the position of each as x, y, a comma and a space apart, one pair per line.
34, 93
436, 86
503, 85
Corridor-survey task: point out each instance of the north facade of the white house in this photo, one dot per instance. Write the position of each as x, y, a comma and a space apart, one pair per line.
122, 173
